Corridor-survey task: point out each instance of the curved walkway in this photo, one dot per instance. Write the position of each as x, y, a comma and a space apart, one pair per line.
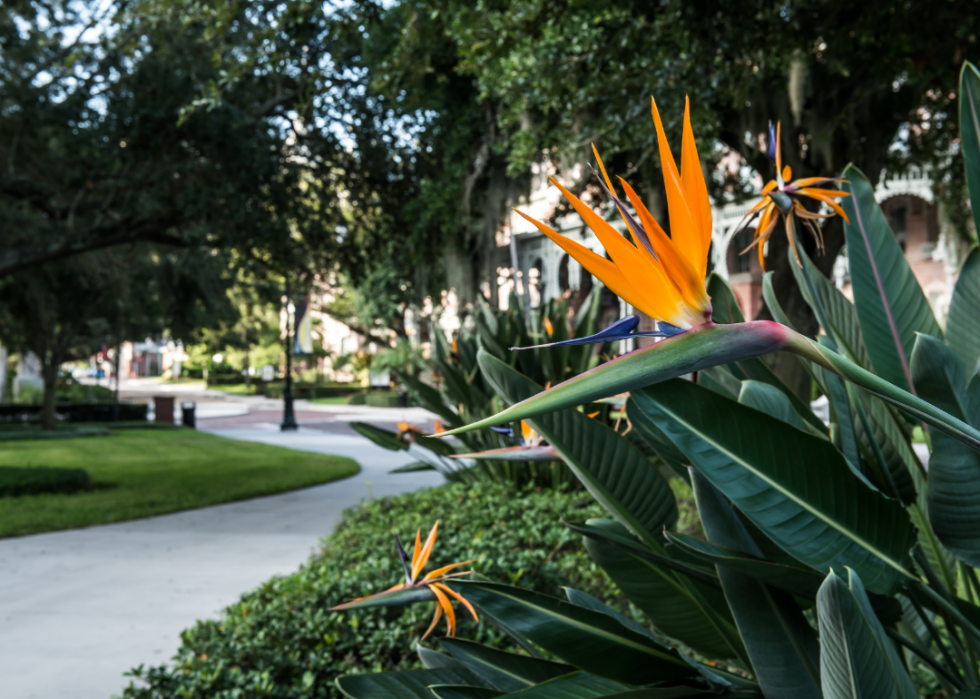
79, 608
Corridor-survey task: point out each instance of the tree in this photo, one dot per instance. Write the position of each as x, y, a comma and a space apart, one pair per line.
845, 80
67, 310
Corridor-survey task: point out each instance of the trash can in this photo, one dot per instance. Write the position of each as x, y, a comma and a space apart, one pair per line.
187, 413
163, 408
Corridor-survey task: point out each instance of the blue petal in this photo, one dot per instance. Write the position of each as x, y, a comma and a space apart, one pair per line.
622, 329
503, 430
772, 142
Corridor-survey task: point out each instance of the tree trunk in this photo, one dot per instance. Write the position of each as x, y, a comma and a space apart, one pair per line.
50, 374
248, 377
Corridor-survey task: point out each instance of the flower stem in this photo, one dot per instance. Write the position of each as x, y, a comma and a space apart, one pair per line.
831, 361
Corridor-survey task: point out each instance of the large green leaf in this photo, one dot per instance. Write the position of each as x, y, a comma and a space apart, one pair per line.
679, 563
836, 309
587, 639
394, 598
857, 660
429, 398
772, 401
963, 322
383, 438
578, 685
954, 469
506, 671
404, 685
903, 464
682, 692
781, 645
462, 691
794, 486
970, 133
657, 440
720, 379
587, 601
889, 300
703, 347
621, 478
668, 601
796, 579
725, 310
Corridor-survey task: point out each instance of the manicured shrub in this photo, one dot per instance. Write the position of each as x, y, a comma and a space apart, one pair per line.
34, 480
280, 640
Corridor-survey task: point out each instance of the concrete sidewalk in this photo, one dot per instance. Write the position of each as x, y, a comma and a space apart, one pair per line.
79, 608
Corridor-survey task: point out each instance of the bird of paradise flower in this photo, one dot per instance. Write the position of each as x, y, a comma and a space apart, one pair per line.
433, 582
661, 275
781, 196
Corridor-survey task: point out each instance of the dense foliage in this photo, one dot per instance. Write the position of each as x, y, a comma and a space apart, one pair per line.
280, 640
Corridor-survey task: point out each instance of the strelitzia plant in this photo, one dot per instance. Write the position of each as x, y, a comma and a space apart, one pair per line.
833, 564
431, 586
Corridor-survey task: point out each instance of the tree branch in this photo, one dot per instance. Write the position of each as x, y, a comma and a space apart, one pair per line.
156, 231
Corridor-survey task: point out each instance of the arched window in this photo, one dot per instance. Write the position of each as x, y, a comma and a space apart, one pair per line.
737, 262
563, 284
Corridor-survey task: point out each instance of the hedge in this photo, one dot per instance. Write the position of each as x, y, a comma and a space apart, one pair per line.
75, 412
281, 641
34, 480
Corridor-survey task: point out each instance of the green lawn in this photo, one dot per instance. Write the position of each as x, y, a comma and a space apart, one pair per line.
140, 473
236, 389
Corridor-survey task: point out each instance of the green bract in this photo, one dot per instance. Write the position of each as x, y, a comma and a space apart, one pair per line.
833, 564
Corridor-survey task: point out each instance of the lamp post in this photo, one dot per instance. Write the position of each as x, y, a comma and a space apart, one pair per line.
288, 417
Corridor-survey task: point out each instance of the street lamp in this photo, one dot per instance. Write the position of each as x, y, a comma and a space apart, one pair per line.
288, 417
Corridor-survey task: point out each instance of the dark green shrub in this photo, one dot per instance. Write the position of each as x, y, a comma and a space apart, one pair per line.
74, 392
382, 399
280, 640
34, 480
359, 398
75, 412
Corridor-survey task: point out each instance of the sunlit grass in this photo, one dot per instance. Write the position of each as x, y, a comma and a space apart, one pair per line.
139, 473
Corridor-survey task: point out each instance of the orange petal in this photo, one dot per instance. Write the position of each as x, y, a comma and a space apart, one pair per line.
791, 235
779, 157
465, 602
592, 415
658, 293
767, 222
430, 541
684, 233
816, 194
770, 185
608, 182
758, 205
787, 173
807, 181
696, 191
447, 607
439, 572
599, 267
435, 620
812, 191
684, 276
417, 552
